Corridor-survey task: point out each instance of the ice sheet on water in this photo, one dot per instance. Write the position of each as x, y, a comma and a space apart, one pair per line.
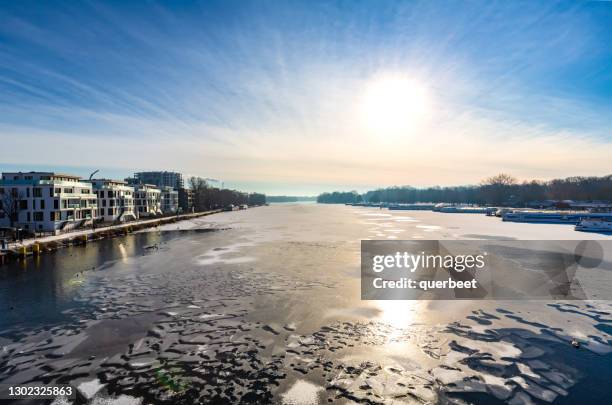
302, 393
90, 388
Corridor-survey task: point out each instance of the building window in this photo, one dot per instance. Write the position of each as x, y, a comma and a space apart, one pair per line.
42, 204
110, 211
37, 192
58, 191
104, 203
101, 193
28, 217
23, 205
68, 190
56, 204
28, 192
38, 216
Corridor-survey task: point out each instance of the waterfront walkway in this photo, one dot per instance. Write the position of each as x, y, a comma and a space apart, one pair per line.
99, 230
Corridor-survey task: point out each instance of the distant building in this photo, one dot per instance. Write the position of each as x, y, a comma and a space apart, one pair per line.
46, 201
169, 200
132, 181
185, 196
147, 200
160, 179
115, 200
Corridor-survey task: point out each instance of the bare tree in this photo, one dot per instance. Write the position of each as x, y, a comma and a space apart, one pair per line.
498, 189
198, 187
500, 180
206, 197
9, 205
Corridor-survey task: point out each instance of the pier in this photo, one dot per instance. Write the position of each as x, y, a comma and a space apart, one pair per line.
37, 246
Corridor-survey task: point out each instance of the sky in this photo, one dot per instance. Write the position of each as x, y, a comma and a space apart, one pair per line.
301, 97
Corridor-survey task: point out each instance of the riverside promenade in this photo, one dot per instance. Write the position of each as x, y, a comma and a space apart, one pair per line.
90, 233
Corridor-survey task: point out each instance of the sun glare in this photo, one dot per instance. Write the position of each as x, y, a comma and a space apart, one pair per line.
395, 105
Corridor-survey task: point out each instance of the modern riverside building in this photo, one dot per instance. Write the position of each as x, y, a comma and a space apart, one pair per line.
147, 200
161, 179
169, 200
185, 199
115, 200
46, 201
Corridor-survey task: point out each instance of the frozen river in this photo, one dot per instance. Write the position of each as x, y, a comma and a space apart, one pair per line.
264, 305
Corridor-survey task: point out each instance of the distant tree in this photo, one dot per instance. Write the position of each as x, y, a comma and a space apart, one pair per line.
206, 197
498, 189
9, 204
257, 199
198, 186
339, 197
281, 198
501, 189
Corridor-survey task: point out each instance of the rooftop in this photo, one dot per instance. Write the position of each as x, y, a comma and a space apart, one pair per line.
49, 174
109, 181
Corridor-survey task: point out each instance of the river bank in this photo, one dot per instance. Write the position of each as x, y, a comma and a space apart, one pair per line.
51, 243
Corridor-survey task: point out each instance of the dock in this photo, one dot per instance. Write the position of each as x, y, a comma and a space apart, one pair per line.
36, 246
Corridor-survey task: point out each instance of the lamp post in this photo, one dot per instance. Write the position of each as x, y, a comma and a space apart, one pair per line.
93, 219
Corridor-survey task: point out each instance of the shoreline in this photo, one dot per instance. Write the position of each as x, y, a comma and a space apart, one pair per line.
49, 244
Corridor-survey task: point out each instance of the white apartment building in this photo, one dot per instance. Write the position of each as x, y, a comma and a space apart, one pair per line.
115, 200
46, 201
170, 200
147, 200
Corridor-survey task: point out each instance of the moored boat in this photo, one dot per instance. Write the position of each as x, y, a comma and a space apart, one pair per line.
457, 209
412, 207
553, 217
595, 225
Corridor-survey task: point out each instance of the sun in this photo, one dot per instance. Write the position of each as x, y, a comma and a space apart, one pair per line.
395, 105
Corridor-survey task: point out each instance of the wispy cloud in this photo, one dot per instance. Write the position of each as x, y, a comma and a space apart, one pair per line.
267, 94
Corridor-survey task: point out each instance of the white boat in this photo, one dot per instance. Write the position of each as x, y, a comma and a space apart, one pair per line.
502, 211
439, 206
595, 225
491, 211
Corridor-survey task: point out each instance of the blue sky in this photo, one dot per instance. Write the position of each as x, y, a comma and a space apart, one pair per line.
266, 95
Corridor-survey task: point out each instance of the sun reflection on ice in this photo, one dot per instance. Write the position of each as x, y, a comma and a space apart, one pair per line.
123, 252
398, 314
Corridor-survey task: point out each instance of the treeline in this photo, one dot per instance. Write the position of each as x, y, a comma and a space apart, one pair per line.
207, 198
340, 197
502, 189
288, 198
